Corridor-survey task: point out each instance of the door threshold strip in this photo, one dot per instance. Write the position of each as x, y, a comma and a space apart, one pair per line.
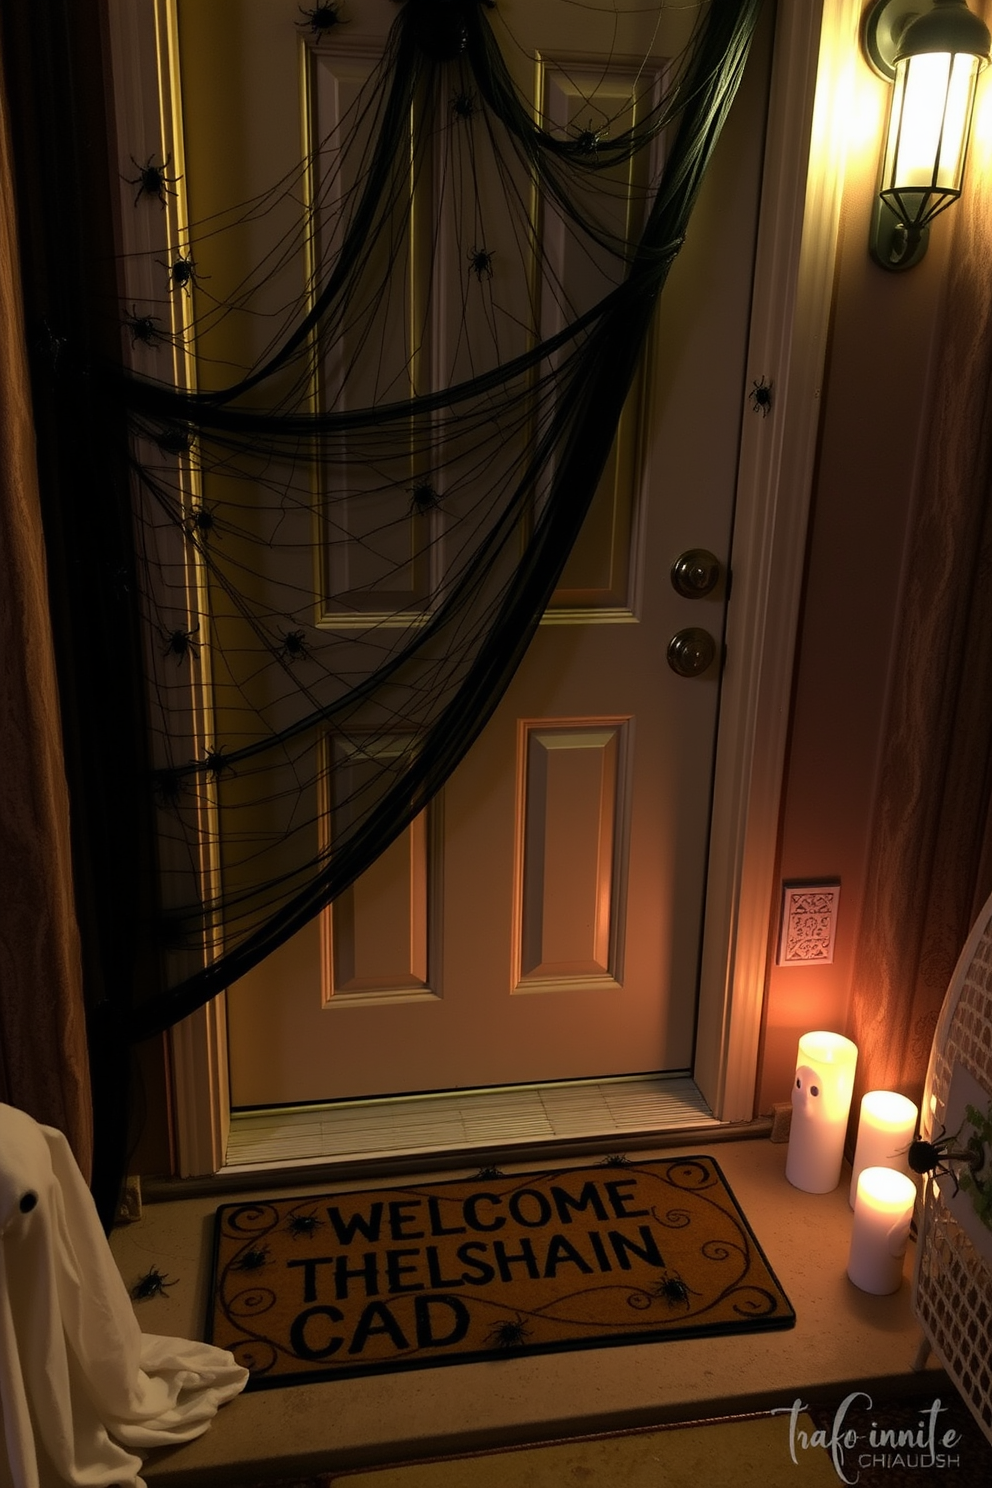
452, 1121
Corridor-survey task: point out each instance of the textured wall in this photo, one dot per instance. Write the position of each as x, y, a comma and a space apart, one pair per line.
889, 759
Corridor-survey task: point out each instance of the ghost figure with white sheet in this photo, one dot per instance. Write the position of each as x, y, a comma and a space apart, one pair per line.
80, 1384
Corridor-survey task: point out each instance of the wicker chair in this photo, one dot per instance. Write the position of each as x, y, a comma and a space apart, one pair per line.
952, 1282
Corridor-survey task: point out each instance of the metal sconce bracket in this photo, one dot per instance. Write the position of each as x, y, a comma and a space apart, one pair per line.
890, 244
882, 28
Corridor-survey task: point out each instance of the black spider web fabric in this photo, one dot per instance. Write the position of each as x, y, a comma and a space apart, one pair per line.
347, 538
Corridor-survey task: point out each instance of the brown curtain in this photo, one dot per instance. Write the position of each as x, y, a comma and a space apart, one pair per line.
930, 864
43, 1055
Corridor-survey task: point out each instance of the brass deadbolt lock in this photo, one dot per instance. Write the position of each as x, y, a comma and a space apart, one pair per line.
695, 573
691, 652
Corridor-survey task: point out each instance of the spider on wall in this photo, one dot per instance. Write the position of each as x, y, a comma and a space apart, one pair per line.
144, 328
424, 498
182, 272
152, 180
182, 644
321, 20
761, 397
480, 263
294, 646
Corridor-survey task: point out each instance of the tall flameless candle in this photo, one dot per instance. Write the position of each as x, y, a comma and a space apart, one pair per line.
883, 1212
821, 1104
886, 1127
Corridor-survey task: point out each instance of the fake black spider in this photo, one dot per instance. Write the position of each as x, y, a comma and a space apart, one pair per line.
508, 1334
182, 272
484, 1174
761, 397
175, 439
180, 644
201, 521
424, 498
168, 786
294, 645
216, 762
143, 328
616, 1160
933, 1157
303, 1224
254, 1259
587, 141
463, 105
152, 1284
321, 20
152, 180
673, 1290
480, 262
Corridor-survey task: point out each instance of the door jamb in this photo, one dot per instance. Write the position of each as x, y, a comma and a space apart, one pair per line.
815, 54
815, 49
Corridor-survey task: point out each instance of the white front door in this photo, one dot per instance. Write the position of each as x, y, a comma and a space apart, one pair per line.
807, 136
543, 920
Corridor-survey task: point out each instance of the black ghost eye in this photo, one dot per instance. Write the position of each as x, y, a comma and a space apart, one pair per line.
799, 1083
28, 1202
814, 1090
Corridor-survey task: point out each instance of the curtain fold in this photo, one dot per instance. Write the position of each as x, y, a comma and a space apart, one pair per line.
43, 1050
930, 863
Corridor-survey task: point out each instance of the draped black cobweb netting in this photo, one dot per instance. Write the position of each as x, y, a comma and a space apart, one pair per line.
357, 498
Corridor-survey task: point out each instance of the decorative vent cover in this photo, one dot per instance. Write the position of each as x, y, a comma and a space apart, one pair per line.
952, 1284
809, 924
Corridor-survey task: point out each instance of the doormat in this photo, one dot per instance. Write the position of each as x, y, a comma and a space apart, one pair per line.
309, 1289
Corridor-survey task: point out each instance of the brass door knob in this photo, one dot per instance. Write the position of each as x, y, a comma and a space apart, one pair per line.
691, 652
695, 573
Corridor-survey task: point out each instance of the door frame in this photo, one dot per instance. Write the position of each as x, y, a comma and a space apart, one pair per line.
815, 52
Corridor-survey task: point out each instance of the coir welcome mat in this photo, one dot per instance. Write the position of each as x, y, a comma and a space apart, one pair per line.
399, 1278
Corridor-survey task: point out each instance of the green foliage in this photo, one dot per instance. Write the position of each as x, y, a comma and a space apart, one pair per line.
977, 1187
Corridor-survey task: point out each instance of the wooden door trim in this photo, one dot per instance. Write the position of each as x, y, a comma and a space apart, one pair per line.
815, 48
143, 44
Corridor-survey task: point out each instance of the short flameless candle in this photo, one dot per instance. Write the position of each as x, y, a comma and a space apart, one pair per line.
821, 1103
883, 1212
885, 1129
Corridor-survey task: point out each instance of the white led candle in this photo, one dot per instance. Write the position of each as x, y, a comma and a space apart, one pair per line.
886, 1127
883, 1212
821, 1103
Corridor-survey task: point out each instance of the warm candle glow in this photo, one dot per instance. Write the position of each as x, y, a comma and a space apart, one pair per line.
883, 1212
821, 1101
886, 1127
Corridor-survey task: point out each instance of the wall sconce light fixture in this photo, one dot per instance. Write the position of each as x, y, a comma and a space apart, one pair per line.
932, 51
